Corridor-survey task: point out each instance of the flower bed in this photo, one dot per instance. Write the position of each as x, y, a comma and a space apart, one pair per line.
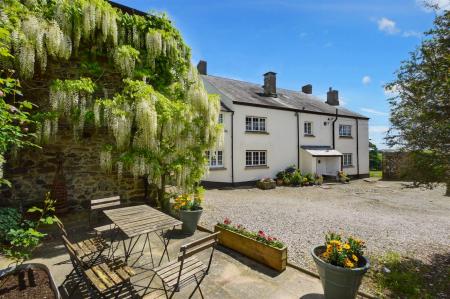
257, 246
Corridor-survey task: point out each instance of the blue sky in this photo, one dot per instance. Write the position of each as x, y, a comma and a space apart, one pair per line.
354, 46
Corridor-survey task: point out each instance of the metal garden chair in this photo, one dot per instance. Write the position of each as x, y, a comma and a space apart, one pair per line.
99, 205
188, 268
105, 278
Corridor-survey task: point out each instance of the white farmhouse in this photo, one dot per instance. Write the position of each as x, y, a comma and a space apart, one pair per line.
268, 129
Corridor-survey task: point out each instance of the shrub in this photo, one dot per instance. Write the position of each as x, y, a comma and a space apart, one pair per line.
296, 178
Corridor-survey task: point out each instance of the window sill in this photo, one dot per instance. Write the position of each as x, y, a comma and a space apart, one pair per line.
257, 132
217, 168
346, 137
348, 166
309, 135
257, 167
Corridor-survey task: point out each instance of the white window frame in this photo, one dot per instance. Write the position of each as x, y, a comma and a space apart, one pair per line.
255, 158
220, 120
216, 160
255, 124
347, 159
308, 128
345, 130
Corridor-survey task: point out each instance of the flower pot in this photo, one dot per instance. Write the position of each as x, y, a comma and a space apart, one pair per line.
266, 184
339, 282
190, 220
279, 182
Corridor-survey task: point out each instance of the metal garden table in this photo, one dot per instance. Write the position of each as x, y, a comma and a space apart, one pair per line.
137, 221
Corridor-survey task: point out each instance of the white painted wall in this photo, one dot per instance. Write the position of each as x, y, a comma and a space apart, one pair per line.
223, 174
281, 143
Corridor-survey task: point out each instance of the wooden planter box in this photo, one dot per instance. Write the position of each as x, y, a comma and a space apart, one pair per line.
272, 257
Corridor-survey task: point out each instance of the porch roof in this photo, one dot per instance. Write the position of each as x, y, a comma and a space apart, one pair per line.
323, 152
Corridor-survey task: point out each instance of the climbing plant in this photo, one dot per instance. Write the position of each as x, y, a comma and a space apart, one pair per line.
161, 118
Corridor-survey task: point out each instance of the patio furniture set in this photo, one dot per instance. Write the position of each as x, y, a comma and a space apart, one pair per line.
105, 274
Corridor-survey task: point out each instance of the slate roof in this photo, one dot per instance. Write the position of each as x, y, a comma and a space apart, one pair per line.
245, 93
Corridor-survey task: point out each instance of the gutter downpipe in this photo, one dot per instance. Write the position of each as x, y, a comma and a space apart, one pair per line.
298, 139
232, 148
357, 147
334, 137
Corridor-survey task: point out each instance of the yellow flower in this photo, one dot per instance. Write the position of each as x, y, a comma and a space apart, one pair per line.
346, 246
329, 248
326, 255
348, 263
354, 257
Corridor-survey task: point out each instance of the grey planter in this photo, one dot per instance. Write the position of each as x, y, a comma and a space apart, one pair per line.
339, 282
190, 220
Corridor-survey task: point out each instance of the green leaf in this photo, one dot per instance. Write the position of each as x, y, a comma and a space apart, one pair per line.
34, 209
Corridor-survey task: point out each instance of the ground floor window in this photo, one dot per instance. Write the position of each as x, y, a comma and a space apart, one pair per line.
215, 158
347, 160
255, 158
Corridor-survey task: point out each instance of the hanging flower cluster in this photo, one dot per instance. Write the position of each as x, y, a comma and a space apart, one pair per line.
125, 58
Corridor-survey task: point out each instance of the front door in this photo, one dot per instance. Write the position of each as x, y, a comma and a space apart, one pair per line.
321, 166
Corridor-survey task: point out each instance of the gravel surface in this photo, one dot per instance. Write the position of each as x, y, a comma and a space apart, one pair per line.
387, 215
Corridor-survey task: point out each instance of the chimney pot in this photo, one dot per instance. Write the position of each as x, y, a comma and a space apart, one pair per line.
307, 89
202, 67
270, 84
332, 97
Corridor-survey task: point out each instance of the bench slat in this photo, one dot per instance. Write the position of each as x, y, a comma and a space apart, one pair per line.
102, 200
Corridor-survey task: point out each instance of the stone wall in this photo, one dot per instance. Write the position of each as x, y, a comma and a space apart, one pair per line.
33, 171
392, 165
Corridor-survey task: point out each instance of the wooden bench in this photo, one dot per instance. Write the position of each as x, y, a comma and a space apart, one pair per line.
187, 268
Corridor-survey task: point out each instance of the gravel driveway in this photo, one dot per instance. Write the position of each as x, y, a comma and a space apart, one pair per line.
387, 215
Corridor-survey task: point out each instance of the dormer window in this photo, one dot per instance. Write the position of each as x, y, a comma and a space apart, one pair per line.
255, 124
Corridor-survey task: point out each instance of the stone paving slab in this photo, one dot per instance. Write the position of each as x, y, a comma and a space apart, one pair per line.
231, 276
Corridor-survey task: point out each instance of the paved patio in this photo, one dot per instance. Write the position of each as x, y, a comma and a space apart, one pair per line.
231, 276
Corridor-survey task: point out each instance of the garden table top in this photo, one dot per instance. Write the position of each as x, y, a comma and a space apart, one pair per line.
141, 219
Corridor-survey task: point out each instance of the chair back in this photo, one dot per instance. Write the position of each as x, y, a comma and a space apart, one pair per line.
72, 252
188, 250
61, 227
105, 203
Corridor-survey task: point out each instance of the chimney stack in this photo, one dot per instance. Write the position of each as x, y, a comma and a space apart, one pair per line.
202, 67
307, 89
270, 84
332, 97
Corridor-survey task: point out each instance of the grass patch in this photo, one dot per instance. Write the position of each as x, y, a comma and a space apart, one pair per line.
376, 174
396, 276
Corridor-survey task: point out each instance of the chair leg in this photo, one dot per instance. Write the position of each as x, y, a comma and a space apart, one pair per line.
197, 286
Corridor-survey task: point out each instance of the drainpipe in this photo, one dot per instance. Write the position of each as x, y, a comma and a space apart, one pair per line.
357, 147
298, 139
232, 148
334, 137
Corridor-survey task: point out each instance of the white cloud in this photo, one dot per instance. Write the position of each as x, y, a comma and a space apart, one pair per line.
440, 4
342, 102
373, 111
378, 129
388, 26
412, 33
366, 80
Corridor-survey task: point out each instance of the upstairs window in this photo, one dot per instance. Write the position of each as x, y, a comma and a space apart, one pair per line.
220, 120
215, 158
347, 160
307, 128
255, 124
345, 130
255, 158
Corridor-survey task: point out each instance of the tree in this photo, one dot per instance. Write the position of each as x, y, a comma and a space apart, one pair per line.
374, 157
161, 118
420, 110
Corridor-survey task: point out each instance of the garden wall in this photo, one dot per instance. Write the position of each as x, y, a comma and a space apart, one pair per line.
33, 171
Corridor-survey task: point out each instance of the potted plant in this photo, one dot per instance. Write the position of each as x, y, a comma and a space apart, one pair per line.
318, 179
341, 265
19, 236
296, 178
258, 246
279, 178
342, 177
266, 184
189, 208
